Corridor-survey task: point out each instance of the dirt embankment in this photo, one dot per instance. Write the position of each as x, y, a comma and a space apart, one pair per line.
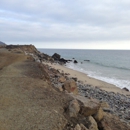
27, 100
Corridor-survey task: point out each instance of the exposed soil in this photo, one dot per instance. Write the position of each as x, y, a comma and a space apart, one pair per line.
27, 100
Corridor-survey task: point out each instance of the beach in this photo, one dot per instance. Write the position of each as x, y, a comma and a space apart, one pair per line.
88, 80
36, 91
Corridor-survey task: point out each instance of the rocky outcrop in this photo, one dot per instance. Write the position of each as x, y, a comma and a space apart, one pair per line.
45, 57
56, 56
75, 61
31, 51
62, 60
2, 44
70, 86
126, 89
24, 48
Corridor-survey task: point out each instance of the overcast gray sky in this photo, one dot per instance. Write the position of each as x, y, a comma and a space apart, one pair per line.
84, 24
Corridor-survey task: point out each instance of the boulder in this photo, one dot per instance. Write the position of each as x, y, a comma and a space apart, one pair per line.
88, 107
63, 60
99, 115
80, 127
62, 79
70, 86
73, 108
91, 123
111, 122
56, 56
77, 127
74, 78
60, 89
75, 61
104, 104
126, 89
83, 127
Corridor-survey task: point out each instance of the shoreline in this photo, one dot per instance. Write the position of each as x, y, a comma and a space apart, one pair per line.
85, 79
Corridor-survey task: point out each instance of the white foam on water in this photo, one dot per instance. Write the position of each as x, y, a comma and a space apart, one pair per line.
121, 83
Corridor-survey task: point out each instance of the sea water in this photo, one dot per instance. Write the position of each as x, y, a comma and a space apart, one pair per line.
111, 66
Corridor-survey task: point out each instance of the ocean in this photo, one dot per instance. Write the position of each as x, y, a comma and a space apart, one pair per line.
111, 66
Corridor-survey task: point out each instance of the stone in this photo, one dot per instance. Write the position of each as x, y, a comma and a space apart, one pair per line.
87, 60
62, 79
99, 115
88, 107
56, 56
74, 78
75, 61
91, 123
83, 127
74, 108
109, 110
63, 60
70, 86
112, 122
126, 89
60, 89
77, 127
104, 104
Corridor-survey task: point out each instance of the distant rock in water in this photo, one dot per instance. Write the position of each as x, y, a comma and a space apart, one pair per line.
56, 56
87, 60
75, 61
63, 60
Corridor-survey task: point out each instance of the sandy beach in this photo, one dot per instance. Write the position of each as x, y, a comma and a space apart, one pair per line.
88, 80
30, 95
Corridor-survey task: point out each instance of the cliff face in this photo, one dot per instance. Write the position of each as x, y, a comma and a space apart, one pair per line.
29, 49
2, 43
26, 48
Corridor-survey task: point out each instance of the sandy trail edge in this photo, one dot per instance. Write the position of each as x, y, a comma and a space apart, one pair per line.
88, 80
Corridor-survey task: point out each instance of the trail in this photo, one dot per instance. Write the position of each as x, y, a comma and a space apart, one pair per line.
27, 102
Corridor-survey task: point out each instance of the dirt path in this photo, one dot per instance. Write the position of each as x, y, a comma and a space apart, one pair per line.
27, 102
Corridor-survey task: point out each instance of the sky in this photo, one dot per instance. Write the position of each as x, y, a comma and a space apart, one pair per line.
73, 24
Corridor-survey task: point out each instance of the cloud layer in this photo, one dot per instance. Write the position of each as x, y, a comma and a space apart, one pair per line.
64, 20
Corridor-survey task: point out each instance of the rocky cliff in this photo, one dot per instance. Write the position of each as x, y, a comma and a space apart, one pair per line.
2, 43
